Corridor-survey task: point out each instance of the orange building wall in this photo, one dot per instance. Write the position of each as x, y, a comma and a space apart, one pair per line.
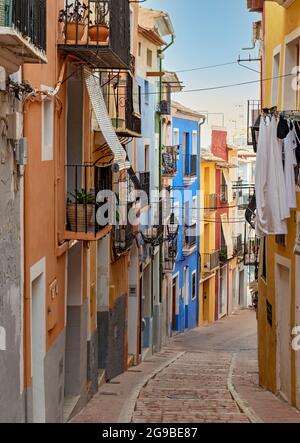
44, 189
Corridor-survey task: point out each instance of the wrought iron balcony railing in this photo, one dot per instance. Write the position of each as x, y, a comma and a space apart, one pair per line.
123, 101
164, 107
98, 34
190, 165
145, 182
210, 261
84, 182
190, 236
223, 194
238, 249
123, 238
210, 202
169, 160
24, 29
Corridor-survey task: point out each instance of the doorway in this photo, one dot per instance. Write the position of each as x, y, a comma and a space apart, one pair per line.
38, 341
174, 303
283, 304
206, 302
297, 324
242, 301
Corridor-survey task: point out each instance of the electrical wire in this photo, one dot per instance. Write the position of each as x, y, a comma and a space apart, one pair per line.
202, 68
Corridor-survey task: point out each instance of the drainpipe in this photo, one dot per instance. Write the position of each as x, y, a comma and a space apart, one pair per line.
161, 52
200, 124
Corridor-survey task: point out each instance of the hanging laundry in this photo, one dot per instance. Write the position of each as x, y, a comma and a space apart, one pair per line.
290, 163
271, 204
297, 131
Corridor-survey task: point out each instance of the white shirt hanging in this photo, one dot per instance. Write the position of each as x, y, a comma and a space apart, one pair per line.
290, 145
272, 209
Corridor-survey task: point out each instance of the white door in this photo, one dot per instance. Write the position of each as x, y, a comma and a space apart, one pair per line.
283, 311
297, 320
38, 347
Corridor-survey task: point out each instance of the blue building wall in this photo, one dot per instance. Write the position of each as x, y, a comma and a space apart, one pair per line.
187, 316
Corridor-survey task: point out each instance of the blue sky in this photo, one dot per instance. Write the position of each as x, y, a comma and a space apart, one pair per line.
209, 32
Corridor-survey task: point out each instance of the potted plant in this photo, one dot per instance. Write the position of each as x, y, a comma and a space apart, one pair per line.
99, 30
74, 16
83, 207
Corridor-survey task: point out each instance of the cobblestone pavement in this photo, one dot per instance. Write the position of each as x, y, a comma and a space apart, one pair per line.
193, 389
207, 375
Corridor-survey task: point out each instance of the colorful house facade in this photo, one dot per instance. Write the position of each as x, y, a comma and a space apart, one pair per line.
185, 188
279, 284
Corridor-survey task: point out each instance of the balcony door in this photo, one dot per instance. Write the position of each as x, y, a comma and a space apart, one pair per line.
186, 153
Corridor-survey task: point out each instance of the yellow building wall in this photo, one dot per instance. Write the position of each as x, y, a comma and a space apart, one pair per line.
279, 22
207, 241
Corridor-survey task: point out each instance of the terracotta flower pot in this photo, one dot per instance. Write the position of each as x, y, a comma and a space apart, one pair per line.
71, 31
84, 216
99, 33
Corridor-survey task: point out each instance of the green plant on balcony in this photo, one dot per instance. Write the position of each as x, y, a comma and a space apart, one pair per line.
98, 29
80, 206
223, 255
74, 19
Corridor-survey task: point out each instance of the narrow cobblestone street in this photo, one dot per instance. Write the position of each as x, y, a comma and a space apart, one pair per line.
208, 375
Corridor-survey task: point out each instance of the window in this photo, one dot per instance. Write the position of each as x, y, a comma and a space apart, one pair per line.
176, 137
140, 49
195, 143
131, 29
291, 83
47, 129
147, 92
149, 58
280, 240
194, 294
146, 162
194, 213
275, 81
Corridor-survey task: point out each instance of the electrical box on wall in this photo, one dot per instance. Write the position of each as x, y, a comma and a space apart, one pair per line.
21, 151
52, 305
15, 125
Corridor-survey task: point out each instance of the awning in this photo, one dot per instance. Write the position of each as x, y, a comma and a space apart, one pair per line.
229, 185
227, 234
104, 122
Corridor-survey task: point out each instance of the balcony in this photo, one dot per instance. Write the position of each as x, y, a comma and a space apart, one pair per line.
22, 33
83, 214
190, 169
169, 161
210, 202
190, 239
223, 194
238, 249
164, 107
170, 253
255, 5
98, 35
145, 183
210, 261
123, 101
123, 238
223, 255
